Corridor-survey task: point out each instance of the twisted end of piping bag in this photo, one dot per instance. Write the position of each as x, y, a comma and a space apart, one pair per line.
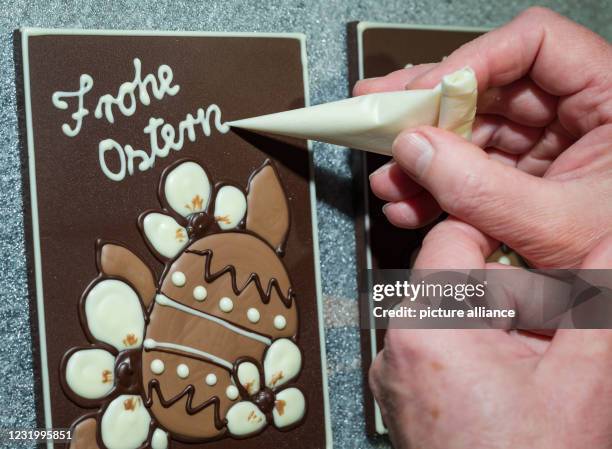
458, 102
372, 122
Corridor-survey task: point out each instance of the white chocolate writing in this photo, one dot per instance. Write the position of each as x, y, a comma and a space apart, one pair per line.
160, 87
163, 137
85, 85
172, 140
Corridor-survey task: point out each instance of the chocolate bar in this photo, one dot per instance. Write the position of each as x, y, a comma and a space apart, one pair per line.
175, 289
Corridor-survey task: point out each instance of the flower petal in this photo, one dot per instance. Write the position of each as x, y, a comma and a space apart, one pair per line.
245, 418
187, 188
89, 373
230, 207
114, 314
159, 440
249, 377
289, 407
282, 363
125, 423
164, 234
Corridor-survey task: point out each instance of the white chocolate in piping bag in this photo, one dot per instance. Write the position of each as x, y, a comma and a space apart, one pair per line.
372, 122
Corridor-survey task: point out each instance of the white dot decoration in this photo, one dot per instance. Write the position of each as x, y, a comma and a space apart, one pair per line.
280, 322
182, 371
211, 379
157, 366
231, 392
178, 278
226, 304
253, 315
505, 260
200, 293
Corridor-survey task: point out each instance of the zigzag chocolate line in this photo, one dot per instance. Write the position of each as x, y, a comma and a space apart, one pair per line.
190, 392
264, 294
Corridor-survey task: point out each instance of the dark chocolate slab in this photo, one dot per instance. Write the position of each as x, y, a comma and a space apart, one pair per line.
376, 50
74, 204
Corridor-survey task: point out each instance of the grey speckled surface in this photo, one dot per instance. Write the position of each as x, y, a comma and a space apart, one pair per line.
324, 24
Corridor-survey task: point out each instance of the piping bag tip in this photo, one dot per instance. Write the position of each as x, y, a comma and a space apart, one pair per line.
372, 122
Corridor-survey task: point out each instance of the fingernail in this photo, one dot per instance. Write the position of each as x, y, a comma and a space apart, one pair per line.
413, 152
384, 208
381, 169
364, 81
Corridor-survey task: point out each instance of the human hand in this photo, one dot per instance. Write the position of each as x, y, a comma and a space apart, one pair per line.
543, 182
477, 389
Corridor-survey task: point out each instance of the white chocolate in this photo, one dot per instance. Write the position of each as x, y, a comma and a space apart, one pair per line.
293, 406
114, 314
280, 322
150, 344
159, 440
90, 373
160, 86
125, 423
163, 300
226, 304
187, 188
253, 315
157, 366
211, 379
282, 363
171, 137
248, 376
231, 392
245, 418
85, 85
178, 278
200, 293
505, 260
230, 207
182, 371
164, 234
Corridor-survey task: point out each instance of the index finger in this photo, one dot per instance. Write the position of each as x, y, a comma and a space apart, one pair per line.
561, 56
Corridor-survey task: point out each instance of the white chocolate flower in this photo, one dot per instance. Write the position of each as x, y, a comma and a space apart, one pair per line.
289, 407
125, 423
230, 207
187, 188
245, 418
114, 314
248, 376
89, 373
164, 234
283, 361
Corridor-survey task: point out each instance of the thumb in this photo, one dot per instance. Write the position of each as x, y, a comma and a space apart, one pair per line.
498, 199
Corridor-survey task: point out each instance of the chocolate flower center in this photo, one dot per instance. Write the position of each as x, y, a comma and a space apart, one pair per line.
265, 399
127, 371
198, 224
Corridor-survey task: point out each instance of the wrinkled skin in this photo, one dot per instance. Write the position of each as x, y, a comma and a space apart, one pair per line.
537, 176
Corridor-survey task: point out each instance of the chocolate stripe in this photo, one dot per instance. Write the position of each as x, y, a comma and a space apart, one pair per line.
189, 408
253, 278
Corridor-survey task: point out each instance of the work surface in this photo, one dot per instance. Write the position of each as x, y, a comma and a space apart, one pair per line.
324, 24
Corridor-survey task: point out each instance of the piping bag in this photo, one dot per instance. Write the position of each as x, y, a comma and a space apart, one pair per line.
372, 122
